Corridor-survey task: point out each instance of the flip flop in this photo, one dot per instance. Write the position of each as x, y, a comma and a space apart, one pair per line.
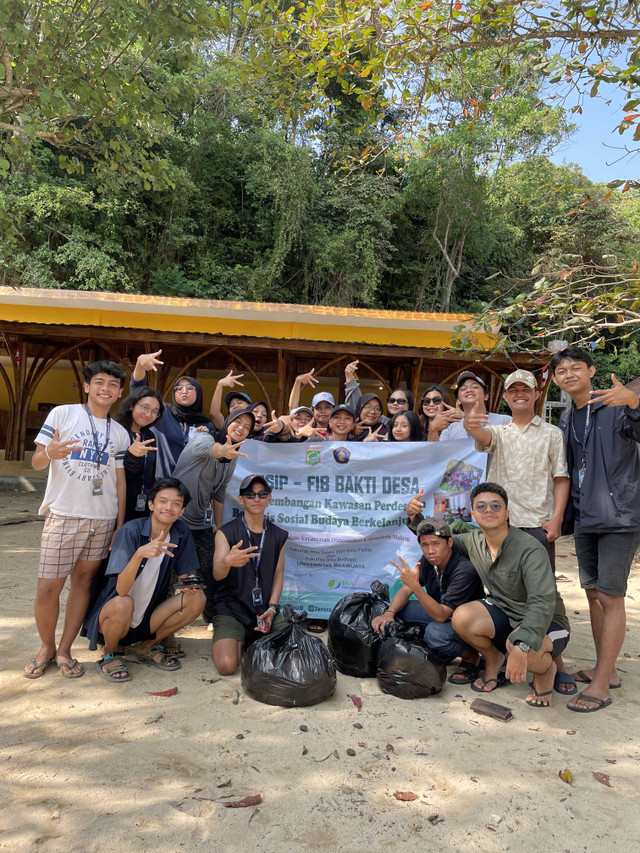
565, 678
468, 671
69, 666
583, 678
537, 696
599, 703
43, 664
500, 681
111, 674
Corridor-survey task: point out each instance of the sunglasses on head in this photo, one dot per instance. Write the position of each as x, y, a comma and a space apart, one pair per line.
432, 400
398, 400
263, 493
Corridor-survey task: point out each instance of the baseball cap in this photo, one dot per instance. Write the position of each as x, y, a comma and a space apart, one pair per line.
323, 397
228, 397
249, 480
525, 376
467, 374
433, 527
343, 408
301, 409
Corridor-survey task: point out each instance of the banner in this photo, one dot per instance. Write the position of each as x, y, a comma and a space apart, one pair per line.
343, 505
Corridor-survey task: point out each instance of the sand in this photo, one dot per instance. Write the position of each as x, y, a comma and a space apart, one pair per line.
91, 766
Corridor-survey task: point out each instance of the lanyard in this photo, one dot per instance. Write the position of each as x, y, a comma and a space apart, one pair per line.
94, 432
583, 444
438, 575
256, 560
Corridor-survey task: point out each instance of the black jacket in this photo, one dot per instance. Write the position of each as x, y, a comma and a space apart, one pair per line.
610, 492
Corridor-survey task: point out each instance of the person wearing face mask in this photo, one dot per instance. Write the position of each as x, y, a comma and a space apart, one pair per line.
137, 414
405, 426
400, 400
180, 420
205, 467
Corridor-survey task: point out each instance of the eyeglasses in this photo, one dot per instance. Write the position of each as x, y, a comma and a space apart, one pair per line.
482, 506
376, 409
399, 400
263, 493
427, 400
147, 410
180, 388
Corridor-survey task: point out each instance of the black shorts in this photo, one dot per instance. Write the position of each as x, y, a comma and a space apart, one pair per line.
558, 635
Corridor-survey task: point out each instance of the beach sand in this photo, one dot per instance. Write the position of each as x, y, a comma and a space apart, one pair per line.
91, 766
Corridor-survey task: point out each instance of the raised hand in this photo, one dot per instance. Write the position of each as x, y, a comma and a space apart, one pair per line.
309, 431
476, 419
227, 450
156, 547
307, 379
148, 361
239, 556
230, 381
373, 436
139, 448
617, 395
351, 370
415, 505
57, 449
409, 577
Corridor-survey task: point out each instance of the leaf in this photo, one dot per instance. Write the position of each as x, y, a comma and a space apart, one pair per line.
170, 692
357, 701
566, 776
603, 778
405, 796
244, 803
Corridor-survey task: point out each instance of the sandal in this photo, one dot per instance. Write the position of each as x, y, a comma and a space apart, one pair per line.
113, 674
468, 672
166, 662
500, 681
537, 695
36, 665
68, 666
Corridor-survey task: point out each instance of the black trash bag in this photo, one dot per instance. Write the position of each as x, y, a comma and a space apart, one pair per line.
405, 668
352, 641
289, 668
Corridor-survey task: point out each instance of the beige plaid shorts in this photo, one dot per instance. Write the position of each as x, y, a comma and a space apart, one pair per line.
65, 540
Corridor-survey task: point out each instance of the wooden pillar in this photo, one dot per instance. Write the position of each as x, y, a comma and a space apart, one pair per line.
416, 373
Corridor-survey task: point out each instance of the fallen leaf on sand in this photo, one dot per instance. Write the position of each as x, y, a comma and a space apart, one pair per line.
224, 784
244, 803
566, 776
603, 778
611, 760
405, 796
535, 730
357, 701
170, 692
571, 732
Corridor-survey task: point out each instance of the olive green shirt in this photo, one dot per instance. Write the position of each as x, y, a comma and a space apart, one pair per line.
520, 582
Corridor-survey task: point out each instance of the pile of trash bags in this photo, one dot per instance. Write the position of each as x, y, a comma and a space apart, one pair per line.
289, 668
352, 641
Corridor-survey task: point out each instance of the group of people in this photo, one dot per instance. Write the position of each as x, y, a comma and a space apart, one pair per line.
134, 507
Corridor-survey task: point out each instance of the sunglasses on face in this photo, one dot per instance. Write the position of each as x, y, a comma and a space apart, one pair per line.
398, 400
428, 400
482, 506
149, 411
263, 493
180, 388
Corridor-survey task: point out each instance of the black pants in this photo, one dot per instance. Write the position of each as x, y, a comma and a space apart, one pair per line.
204, 542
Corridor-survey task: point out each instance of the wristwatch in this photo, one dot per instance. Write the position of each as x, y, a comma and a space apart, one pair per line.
526, 648
275, 607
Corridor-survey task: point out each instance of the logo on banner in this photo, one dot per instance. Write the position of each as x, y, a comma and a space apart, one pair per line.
312, 456
342, 455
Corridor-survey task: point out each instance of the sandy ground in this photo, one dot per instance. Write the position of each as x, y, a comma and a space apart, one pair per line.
90, 766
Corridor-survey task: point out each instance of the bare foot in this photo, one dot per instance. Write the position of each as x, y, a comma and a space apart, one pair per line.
540, 696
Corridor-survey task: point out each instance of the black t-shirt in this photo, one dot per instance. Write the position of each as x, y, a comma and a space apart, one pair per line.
577, 423
233, 595
460, 581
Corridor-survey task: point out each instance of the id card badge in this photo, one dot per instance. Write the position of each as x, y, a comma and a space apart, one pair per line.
141, 502
208, 516
580, 477
96, 487
256, 596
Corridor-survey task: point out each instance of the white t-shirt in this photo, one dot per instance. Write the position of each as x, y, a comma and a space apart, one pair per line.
144, 586
68, 489
456, 429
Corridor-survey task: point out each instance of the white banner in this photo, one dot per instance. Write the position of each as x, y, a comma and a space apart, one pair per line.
343, 505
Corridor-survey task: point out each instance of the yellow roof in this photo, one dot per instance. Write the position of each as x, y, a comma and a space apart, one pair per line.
246, 319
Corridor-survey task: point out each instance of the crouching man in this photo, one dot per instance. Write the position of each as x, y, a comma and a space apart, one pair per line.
523, 619
249, 565
133, 607
441, 581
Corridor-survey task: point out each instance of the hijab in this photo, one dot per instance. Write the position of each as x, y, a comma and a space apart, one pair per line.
366, 398
189, 415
